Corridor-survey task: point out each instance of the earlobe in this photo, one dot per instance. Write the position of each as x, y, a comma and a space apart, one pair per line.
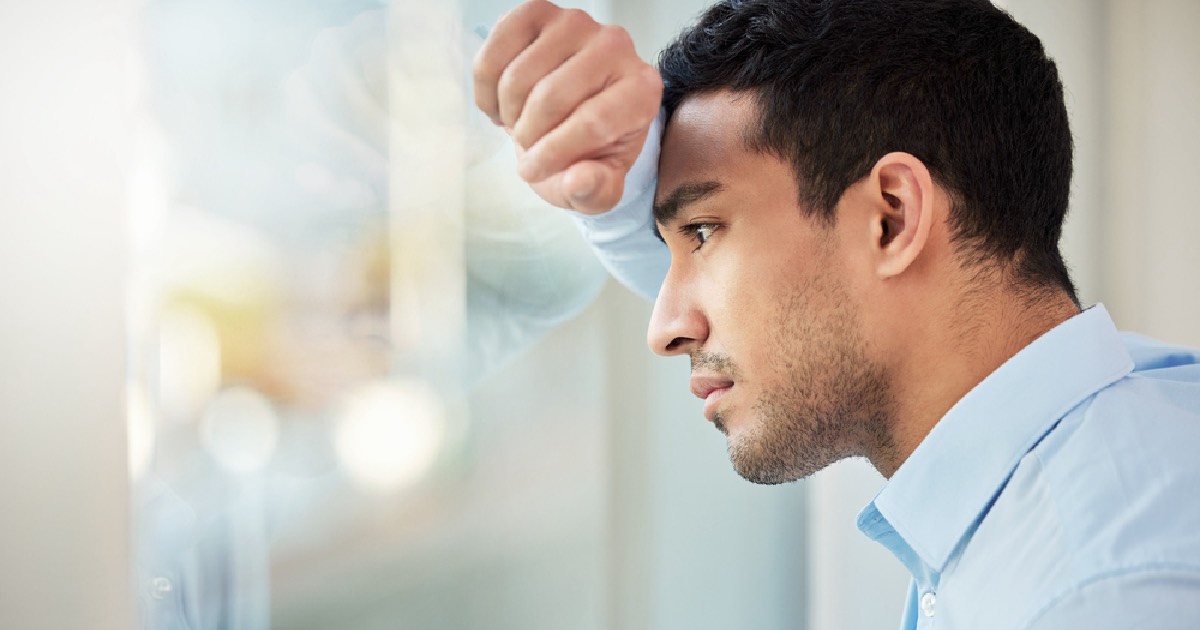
905, 211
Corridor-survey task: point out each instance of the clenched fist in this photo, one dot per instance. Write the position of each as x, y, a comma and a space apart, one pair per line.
575, 98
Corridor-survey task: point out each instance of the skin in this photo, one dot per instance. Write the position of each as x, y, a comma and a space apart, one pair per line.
837, 340
842, 340
575, 98
762, 304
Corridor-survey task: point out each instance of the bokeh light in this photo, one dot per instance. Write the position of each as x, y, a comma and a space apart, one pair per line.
240, 429
389, 434
189, 360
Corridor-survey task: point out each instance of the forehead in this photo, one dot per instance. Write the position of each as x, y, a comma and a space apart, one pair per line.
705, 140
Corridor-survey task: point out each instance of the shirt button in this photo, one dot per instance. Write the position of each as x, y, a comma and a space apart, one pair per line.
160, 587
928, 602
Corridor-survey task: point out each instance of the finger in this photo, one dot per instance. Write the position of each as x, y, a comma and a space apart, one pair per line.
557, 43
593, 187
513, 34
603, 126
560, 92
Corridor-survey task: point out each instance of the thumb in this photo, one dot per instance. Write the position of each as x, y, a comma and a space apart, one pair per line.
593, 187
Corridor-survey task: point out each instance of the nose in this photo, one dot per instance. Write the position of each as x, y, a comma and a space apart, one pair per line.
677, 325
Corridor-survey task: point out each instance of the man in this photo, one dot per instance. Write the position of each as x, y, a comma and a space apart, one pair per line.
862, 202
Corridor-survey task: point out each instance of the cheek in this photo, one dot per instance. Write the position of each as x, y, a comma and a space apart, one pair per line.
756, 286
750, 324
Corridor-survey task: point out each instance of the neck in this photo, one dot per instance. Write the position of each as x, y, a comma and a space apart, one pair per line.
958, 348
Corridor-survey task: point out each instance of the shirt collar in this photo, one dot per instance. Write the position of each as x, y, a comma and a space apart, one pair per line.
940, 492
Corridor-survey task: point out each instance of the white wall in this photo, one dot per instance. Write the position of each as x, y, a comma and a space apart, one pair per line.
1149, 258
64, 547
1132, 90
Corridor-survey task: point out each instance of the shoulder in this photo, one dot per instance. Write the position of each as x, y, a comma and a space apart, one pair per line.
1122, 468
1151, 354
1105, 501
1153, 413
1121, 474
1160, 596
1144, 426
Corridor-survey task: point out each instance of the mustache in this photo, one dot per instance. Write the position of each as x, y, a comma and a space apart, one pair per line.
713, 362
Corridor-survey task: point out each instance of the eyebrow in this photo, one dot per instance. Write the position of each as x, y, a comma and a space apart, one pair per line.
684, 195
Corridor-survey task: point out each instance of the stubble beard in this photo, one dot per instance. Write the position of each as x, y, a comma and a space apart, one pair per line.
832, 401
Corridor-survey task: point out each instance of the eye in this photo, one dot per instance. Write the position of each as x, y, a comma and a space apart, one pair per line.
699, 232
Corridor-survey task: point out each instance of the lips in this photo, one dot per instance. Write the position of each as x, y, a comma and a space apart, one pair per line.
710, 389
702, 386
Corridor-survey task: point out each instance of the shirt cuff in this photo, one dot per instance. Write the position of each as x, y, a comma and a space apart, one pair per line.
623, 238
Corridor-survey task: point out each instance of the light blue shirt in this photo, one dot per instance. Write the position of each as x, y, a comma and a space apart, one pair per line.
1062, 492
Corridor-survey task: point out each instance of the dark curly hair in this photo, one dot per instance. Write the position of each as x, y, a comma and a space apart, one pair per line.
957, 83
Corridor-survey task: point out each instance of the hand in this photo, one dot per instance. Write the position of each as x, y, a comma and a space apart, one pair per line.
575, 98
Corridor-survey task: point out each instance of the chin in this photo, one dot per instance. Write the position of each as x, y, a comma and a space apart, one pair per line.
766, 477
773, 459
756, 464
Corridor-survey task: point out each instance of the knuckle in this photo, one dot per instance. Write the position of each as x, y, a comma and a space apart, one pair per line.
576, 19
507, 80
526, 10
599, 126
651, 79
483, 68
530, 168
530, 14
512, 89
506, 21
546, 99
525, 136
651, 88
646, 91
615, 39
543, 108
521, 135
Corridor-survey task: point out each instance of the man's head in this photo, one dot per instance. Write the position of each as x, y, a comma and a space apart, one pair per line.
863, 168
957, 83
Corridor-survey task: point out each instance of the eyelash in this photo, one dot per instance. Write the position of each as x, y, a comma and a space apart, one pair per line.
699, 232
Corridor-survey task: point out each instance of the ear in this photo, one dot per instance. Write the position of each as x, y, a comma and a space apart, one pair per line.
902, 204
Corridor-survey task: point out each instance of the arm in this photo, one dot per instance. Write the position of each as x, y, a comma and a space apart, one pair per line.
623, 238
579, 105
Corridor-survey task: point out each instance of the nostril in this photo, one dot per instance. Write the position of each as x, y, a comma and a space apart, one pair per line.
675, 343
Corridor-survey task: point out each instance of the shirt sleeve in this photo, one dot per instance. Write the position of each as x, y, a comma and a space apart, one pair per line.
1163, 599
623, 238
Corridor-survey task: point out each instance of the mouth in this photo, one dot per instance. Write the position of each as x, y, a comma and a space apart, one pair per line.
710, 389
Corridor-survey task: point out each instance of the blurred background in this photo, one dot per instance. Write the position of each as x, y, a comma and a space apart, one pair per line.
286, 344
